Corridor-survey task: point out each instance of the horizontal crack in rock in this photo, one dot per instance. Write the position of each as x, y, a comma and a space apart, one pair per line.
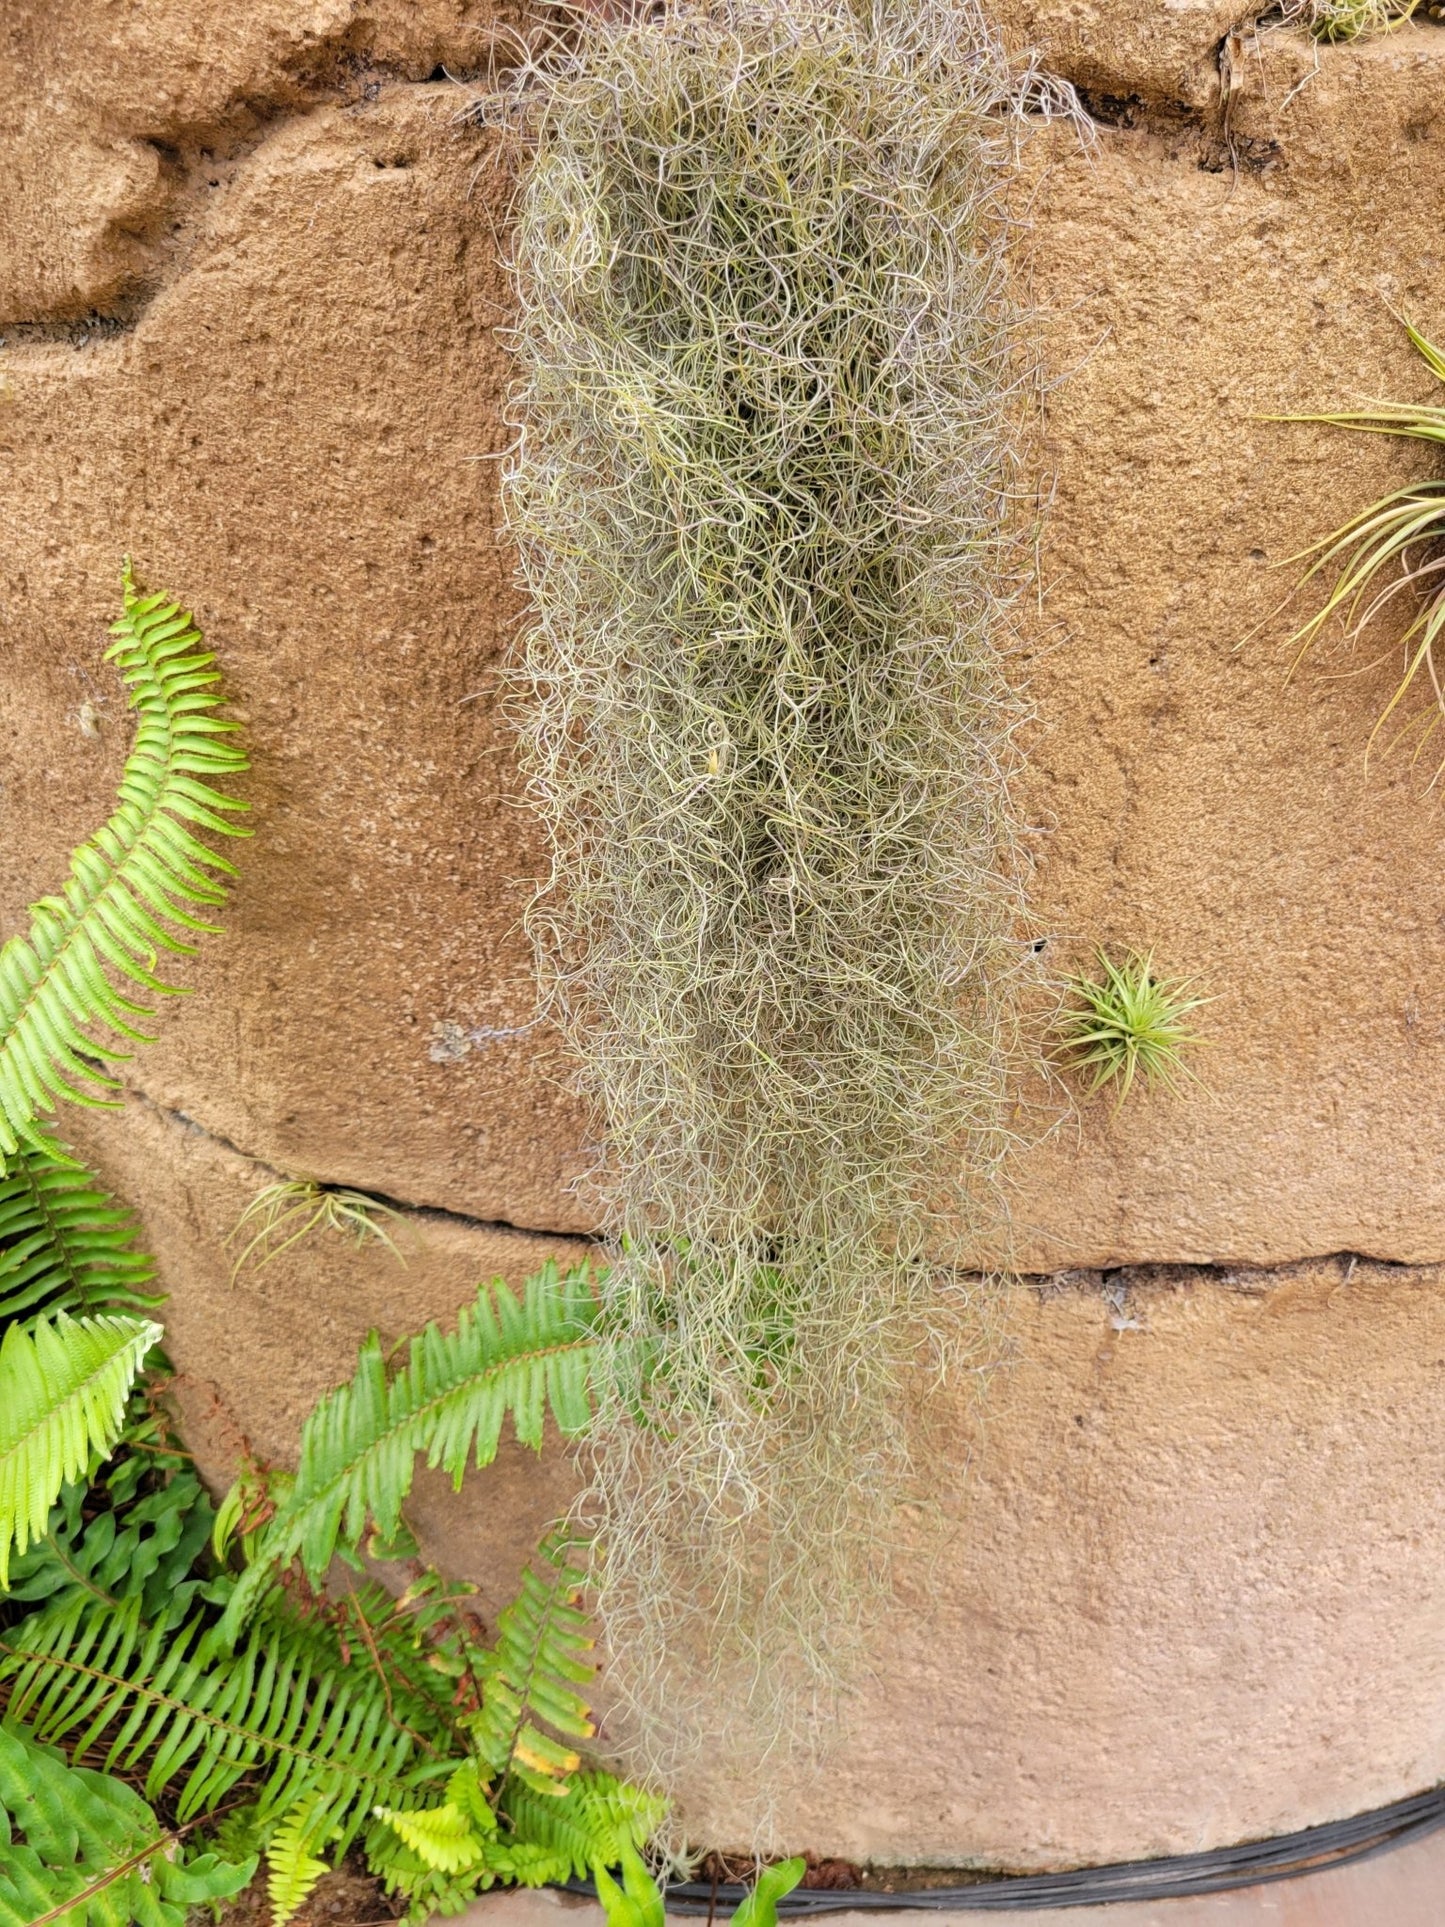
191, 1125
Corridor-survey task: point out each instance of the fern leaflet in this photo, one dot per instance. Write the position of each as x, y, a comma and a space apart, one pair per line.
525, 1356
63, 1389
452, 1837
292, 1866
591, 1823
64, 1244
196, 1719
131, 888
540, 1657
142, 1546
81, 1849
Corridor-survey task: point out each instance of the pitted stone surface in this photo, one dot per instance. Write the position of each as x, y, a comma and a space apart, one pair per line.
1189, 1510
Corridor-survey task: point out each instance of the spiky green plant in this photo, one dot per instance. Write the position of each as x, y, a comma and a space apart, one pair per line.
760, 492
524, 1357
1353, 19
292, 1208
71, 993
1390, 556
1128, 1022
72, 990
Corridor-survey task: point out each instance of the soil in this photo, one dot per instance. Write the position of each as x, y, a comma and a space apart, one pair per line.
348, 1898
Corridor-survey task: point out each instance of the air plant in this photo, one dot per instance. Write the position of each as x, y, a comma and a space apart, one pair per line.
1392, 552
1339, 20
291, 1209
1128, 1023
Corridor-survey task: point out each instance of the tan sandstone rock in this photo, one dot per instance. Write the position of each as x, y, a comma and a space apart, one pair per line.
1180, 1577
256, 1340
294, 435
1186, 797
1194, 1591
116, 116
298, 436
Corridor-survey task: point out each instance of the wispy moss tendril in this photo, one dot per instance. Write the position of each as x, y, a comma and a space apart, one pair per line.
762, 493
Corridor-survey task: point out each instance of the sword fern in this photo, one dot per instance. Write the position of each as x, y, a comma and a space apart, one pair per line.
91, 954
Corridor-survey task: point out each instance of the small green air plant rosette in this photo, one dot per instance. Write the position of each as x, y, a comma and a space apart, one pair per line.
1343, 20
1129, 1024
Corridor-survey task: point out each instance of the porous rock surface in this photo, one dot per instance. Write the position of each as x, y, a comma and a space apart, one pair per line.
251, 307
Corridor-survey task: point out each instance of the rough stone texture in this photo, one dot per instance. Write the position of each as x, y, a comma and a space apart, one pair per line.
113, 113
1190, 1593
1186, 798
254, 1347
1186, 1589
1166, 53
290, 432
296, 433
249, 255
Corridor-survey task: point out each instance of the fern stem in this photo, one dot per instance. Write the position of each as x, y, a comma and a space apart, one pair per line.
139, 1690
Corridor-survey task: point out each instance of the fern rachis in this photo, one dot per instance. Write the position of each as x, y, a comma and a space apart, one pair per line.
131, 888
524, 1356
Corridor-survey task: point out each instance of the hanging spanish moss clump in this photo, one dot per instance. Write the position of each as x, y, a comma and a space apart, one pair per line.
761, 491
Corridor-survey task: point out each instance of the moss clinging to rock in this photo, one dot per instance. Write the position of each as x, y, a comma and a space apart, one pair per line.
761, 493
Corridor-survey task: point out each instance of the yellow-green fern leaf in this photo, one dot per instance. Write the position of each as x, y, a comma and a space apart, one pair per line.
88, 962
293, 1868
590, 1820
444, 1837
63, 1387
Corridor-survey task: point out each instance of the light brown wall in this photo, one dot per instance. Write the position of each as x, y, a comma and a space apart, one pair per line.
248, 275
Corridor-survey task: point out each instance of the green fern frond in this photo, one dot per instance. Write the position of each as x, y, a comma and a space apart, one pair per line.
590, 1825
445, 1838
63, 1389
82, 1850
428, 1891
65, 1245
89, 960
144, 1547
525, 1356
291, 1865
542, 1653
431, 1890
195, 1719
368, 1633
